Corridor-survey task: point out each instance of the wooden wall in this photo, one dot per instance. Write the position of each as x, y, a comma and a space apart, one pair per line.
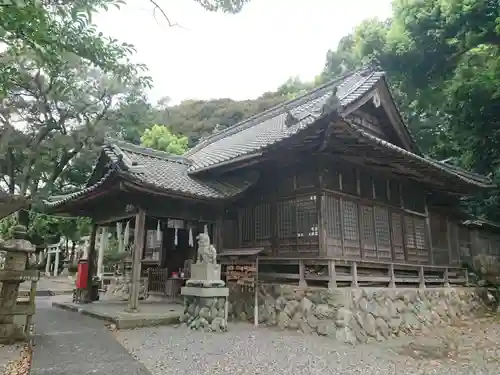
351, 212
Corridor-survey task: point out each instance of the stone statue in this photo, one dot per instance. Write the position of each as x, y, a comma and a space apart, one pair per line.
206, 251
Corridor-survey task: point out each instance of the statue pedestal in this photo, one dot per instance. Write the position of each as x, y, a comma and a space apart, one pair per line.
205, 271
205, 299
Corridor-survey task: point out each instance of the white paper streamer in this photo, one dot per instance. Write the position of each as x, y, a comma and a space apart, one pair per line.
191, 241
158, 234
126, 235
175, 238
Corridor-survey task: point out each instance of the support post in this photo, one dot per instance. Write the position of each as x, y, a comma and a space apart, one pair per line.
91, 258
354, 274
102, 244
421, 277
428, 233
139, 235
56, 261
446, 278
332, 274
302, 274
392, 278
47, 265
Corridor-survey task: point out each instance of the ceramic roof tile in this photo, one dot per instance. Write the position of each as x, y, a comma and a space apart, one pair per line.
262, 130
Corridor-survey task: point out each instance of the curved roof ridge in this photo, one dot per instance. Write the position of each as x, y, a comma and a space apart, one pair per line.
249, 122
127, 146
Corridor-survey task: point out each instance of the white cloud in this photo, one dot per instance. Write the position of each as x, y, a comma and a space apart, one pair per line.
239, 56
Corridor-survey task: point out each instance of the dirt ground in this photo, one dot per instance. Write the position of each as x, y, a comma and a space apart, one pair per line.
470, 344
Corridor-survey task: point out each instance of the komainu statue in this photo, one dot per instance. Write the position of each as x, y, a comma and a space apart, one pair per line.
206, 251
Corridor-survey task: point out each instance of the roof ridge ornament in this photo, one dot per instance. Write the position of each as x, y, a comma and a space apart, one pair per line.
332, 104
290, 120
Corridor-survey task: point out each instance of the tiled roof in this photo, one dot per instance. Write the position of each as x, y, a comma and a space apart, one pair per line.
11, 203
428, 164
259, 131
170, 173
156, 169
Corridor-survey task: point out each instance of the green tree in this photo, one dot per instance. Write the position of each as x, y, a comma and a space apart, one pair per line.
161, 138
442, 58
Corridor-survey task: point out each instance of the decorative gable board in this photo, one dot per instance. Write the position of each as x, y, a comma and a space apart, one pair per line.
377, 114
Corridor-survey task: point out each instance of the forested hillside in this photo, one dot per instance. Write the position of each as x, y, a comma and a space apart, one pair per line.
441, 56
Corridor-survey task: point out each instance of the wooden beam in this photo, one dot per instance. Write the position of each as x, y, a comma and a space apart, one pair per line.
139, 237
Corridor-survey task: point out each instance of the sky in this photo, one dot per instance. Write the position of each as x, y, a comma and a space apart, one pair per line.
215, 55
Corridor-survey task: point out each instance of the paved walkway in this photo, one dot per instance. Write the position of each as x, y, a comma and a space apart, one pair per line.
66, 343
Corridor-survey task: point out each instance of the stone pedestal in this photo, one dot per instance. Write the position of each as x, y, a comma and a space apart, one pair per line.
205, 299
205, 271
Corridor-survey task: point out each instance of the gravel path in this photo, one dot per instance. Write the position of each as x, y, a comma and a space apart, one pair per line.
68, 343
247, 350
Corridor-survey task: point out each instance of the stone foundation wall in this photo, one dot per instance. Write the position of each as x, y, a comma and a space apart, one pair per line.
204, 313
355, 315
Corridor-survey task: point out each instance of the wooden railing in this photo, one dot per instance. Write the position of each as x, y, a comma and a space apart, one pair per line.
341, 272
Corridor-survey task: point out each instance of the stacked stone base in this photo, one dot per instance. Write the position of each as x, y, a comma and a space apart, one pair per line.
204, 313
205, 306
357, 315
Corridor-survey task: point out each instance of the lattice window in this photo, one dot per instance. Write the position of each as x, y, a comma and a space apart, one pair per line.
332, 217
410, 232
380, 188
246, 224
331, 178
350, 218
262, 219
349, 180
368, 227
419, 225
285, 219
307, 216
395, 193
382, 228
298, 218
397, 229
366, 186
439, 231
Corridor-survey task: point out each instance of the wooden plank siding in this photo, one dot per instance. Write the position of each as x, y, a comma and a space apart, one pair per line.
364, 215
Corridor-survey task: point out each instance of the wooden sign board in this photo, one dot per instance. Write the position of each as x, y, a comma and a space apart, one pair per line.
242, 274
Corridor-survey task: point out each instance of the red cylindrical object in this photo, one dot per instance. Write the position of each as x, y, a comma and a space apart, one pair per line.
83, 275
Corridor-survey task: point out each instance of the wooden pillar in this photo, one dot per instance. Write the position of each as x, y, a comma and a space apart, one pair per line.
449, 240
217, 240
321, 211
91, 259
428, 233
139, 237
322, 235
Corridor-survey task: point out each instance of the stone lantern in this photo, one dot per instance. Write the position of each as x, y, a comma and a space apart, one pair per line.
15, 254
